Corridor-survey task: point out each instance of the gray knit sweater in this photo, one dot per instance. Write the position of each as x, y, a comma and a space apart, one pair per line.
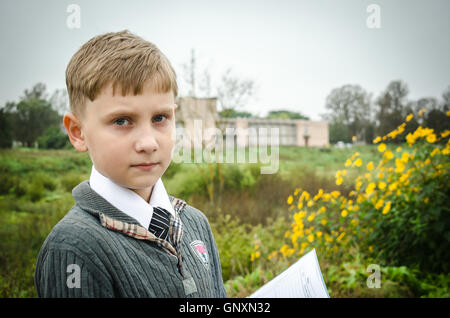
86, 256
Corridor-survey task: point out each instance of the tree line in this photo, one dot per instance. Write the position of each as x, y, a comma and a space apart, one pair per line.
354, 116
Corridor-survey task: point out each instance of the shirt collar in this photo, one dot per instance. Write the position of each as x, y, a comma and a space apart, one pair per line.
129, 201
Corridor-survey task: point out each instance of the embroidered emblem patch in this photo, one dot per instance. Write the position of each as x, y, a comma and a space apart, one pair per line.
199, 249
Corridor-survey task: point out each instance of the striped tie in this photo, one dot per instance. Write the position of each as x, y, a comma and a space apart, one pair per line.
160, 223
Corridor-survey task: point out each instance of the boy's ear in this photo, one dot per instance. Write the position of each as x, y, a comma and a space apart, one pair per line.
75, 132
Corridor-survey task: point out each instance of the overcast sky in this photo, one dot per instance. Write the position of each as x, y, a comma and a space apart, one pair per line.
295, 51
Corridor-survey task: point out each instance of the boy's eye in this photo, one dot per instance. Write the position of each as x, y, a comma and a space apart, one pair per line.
120, 121
159, 118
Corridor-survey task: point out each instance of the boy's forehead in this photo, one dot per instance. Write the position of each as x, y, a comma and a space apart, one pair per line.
109, 104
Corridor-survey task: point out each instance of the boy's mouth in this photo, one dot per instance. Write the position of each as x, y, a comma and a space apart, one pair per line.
145, 165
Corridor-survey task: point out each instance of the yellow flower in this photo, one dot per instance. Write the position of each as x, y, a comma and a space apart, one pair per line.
344, 213
340, 237
382, 147
272, 255
410, 139
290, 199
323, 222
405, 157
300, 205
358, 162
311, 217
399, 166
335, 194
380, 175
399, 149
434, 152
389, 155
319, 234
409, 117
311, 237
377, 140
379, 204
370, 188
339, 180
381, 185
448, 113
370, 166
393, 186
421, 112
306, 195
431, 138
387, 207
348, 162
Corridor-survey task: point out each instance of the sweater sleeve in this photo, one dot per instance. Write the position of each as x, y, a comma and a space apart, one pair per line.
64, 274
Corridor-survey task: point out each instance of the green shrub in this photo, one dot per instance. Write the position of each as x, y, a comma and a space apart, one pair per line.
35, 190
70, 181
53, 138
11, 184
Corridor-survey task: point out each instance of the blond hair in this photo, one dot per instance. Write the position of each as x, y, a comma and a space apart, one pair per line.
121, 58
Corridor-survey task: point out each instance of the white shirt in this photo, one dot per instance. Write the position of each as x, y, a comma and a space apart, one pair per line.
129, 201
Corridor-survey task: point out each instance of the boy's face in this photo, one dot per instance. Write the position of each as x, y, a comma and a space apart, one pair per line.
121, 132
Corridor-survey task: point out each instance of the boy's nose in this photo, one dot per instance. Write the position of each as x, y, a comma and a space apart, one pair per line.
146, 141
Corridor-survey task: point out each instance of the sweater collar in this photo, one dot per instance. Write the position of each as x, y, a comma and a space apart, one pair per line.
127, 200
94, 203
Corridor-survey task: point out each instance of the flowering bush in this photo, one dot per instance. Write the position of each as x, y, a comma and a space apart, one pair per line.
397, 210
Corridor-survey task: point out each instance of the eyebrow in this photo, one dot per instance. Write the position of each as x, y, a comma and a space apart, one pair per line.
124, 111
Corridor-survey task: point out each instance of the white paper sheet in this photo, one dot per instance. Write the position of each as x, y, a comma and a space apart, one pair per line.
303, 279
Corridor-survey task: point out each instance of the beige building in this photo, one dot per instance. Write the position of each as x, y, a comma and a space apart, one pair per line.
197, 118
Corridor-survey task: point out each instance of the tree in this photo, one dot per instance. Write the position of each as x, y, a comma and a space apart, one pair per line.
32, 115
446, 100
391, 107
53, 138
37, 92
6, 136
60, 101
349, 106
233, 92
285, 114
231, 113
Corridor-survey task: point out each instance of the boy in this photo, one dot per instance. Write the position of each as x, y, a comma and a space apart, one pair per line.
125, 236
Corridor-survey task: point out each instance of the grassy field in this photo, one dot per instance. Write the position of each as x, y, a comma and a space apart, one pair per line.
243, 206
